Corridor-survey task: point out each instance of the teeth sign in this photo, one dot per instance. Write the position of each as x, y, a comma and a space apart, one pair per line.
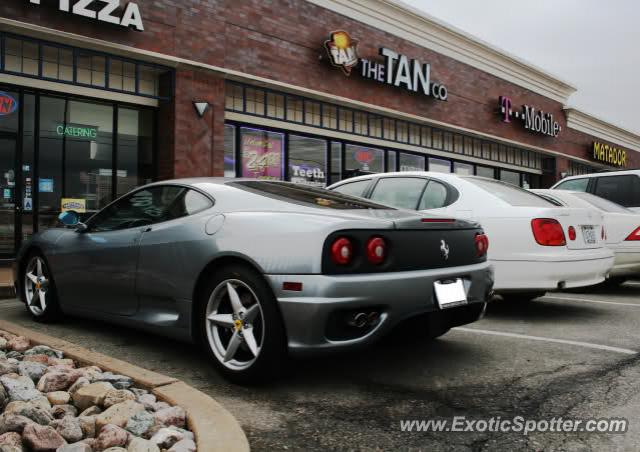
108, 11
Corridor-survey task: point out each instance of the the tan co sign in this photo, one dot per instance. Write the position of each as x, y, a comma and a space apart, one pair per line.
609, 154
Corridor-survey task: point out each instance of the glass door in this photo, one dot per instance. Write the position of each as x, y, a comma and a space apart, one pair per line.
9, 202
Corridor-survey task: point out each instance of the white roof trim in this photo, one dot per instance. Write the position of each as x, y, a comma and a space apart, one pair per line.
406, 22
597, 127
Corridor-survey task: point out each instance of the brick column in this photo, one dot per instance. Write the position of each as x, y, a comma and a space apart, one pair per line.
198, 143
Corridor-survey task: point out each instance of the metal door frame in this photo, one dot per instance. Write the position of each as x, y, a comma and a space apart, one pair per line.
17, 188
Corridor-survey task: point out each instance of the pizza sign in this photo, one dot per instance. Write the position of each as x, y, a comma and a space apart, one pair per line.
8, 104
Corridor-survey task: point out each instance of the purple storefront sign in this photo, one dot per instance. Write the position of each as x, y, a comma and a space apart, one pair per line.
261, 154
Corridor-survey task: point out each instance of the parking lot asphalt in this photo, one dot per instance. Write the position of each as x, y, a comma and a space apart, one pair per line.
569, 355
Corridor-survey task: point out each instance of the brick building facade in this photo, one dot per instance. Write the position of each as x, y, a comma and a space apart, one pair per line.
276, 106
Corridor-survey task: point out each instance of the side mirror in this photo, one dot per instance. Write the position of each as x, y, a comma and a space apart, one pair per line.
71, 218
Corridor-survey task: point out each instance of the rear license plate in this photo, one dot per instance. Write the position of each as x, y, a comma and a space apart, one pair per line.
589, 234
450, 293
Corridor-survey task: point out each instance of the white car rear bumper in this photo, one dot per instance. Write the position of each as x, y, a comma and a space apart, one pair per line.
567, 270
627, 263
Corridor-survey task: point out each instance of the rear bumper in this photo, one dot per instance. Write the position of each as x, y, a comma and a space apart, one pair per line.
627, 263
568, 270
312, 316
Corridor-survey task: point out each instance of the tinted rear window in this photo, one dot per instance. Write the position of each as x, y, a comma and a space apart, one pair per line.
624, 190
305, 195
509, 193
602, 204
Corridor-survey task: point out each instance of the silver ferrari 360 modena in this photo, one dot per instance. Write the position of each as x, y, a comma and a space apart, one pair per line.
257, 270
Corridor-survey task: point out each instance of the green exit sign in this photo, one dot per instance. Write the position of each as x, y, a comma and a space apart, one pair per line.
77, 131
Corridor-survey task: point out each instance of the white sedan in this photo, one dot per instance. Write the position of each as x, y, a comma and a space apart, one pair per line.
622, 228
535, 245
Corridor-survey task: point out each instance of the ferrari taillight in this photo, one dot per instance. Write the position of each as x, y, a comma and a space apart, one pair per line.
548, 232
634, 236
482, 244
376, 250
342, 251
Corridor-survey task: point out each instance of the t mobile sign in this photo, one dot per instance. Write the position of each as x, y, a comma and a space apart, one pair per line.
108, 11
534, 120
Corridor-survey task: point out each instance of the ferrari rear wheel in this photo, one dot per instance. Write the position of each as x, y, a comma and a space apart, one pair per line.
39, 294
242, 327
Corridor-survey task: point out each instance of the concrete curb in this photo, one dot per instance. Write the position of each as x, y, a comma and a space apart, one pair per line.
216, 430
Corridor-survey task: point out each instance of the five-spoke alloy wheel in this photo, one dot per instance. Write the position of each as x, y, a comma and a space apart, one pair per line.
39, 292
241, 325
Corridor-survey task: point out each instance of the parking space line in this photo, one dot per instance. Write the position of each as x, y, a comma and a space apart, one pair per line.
608, 348
587, 300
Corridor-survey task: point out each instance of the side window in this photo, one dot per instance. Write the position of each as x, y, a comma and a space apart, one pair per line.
149, 206
353, 188
399, 192
574, 185
619, 189
435, 196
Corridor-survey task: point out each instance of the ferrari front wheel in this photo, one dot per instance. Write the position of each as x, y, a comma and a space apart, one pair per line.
39, 292
242, 327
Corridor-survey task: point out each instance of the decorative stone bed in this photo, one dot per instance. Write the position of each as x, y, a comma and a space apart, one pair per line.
48, 403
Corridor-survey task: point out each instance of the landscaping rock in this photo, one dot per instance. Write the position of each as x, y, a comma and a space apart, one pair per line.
60, 411
3, 343
91, 411
29, 410
58, 380
42, 359
69, 428
92, 394
18, 344
40, 438
185, 445
59, 397
111, 436
80, 383
61, 362
7, 368
13, 423
11, 449
166, 437
140, 423
19, 387
44, 350
160, 406
142, 445
148, 400
116, 396
77, 447
118, 414
118, 381
88, 426
11, 439
171, 416
33, 370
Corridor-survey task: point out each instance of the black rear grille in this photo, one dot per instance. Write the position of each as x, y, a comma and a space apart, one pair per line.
406, 250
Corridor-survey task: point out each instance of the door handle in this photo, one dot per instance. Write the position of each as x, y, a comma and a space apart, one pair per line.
146, 229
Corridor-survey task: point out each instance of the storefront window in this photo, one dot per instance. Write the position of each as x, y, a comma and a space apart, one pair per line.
346, 120
402, 132
135, 149
262, 153
87, 135
122, 75
234, 98
307, 160
375, 126
255, 101
411, 162
57, 63
312, 113
463, 169
28, 146
363, 160
439, 165
91, 70
21, 56
229, 151
510, 176
389, 126
330, 117
426, 136
414, 134
50, 162
275, 104
294, 109
484, 171
360, 123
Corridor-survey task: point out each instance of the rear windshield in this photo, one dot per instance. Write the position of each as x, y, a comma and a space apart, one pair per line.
602, 204
511, 194
306, 195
